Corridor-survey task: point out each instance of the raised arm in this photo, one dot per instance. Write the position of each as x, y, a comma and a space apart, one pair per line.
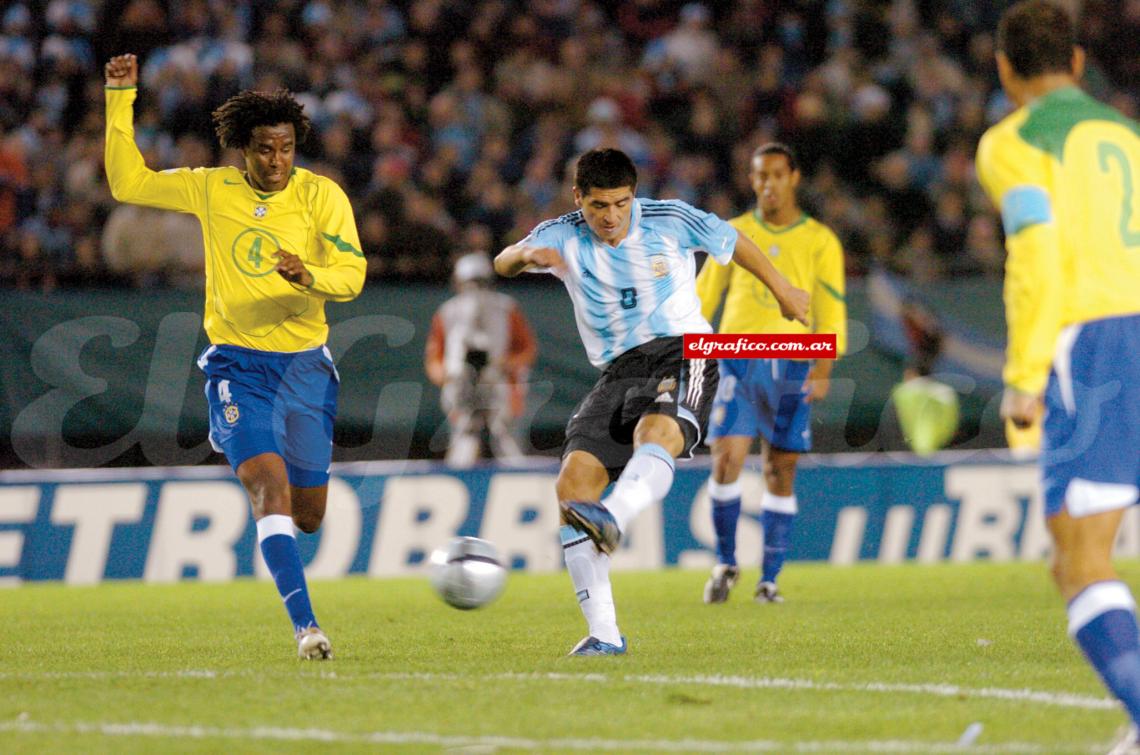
793, 301
131, 181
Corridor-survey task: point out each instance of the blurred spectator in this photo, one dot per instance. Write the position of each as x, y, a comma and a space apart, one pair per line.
927, 409
479, 351
154, 247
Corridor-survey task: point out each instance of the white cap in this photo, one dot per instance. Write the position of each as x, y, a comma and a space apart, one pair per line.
472, 266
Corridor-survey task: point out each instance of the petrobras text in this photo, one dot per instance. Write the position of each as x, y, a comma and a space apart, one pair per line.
384, 518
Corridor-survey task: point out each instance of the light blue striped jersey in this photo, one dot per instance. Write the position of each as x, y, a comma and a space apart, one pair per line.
644, 288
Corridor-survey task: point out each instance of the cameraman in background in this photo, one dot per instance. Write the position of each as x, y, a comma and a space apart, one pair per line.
479, 351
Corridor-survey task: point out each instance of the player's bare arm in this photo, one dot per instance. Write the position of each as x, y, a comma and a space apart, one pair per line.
291, 268
516, 259
793, 301
122, 71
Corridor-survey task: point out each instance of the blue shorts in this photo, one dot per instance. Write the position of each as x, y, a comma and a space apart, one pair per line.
763, 397
273, 402
1090, 448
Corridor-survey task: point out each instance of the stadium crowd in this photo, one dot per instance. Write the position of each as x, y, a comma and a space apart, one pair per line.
451, 123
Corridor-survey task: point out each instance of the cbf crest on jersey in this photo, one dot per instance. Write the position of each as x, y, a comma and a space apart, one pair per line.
774, 251
260, 210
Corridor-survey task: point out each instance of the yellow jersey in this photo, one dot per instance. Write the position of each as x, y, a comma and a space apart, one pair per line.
1063, 171
247, 303
807, 253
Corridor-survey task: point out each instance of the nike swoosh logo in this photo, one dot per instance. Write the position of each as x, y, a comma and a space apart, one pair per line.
231, 183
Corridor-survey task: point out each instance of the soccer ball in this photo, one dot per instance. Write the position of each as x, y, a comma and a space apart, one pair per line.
467, 572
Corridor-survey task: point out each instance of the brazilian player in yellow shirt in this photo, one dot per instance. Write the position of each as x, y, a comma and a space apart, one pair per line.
770, 398
280, 241
1063, 170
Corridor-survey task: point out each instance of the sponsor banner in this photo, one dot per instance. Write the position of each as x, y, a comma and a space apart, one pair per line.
169, 524
760, 346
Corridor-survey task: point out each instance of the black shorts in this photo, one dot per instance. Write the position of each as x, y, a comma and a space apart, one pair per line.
654, 378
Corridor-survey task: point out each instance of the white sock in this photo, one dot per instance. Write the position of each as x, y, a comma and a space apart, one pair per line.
646, 479
590, 573
781, 504
275, 524
725, 491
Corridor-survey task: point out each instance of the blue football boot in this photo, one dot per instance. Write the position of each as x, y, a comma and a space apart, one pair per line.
593, 646
596, 521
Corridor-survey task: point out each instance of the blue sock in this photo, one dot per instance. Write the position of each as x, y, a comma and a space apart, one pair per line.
725, 513
279, 549
777, 533
1102, 619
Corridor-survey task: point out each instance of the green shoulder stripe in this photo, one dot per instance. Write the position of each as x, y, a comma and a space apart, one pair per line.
833, 292
342, 245
1054, 115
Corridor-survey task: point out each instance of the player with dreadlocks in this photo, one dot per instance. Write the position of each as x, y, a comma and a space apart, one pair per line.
280, 242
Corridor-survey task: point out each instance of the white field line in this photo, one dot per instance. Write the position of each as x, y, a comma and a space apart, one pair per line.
143, 729
1057, 699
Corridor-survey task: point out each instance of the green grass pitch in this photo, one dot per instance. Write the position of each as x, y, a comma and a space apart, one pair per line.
864, 659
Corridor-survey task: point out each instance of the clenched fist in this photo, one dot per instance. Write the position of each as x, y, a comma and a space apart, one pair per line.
122, 71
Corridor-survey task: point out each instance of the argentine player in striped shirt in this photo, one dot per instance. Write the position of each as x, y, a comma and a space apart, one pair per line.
1063, 169
629, 268
280, 242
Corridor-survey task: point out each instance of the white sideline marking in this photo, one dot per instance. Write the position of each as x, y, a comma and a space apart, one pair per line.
142, 729
1058, 699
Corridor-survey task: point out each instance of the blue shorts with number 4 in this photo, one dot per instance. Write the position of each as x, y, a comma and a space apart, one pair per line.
273, 402
763, 397
1090, 448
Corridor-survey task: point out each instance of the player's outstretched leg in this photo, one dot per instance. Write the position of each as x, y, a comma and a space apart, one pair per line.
1101, 608
279, 549
1102, 621
590, 573
779, 512
725, 499
645, 479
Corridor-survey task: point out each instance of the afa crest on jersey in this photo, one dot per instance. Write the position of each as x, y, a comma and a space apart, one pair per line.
231, 413
660, 266
668, 384
259, 211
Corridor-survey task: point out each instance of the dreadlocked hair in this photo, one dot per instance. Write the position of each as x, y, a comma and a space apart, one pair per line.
238, 116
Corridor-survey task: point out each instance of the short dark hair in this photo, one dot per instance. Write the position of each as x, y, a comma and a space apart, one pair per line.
1038, 38
604, 169
238, 116
778, 148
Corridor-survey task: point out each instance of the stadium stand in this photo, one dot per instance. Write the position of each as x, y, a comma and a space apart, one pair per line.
436, 114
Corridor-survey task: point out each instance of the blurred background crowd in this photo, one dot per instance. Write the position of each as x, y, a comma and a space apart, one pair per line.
451, 124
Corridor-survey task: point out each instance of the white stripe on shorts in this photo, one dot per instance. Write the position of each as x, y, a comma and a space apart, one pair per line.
1063, 365
696, 382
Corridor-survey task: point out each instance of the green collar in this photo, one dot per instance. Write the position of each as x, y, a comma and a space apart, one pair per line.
774, 229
